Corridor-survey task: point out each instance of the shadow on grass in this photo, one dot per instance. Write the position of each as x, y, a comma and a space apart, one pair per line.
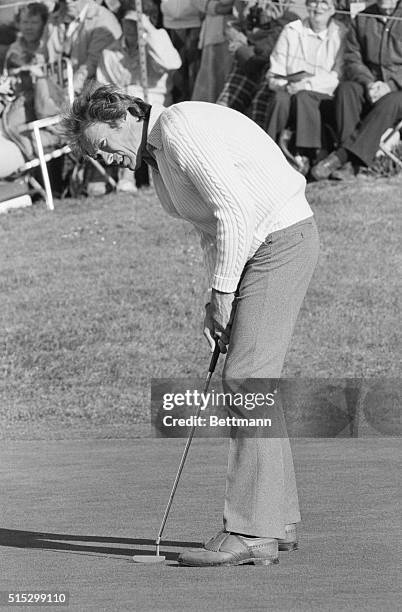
65, 542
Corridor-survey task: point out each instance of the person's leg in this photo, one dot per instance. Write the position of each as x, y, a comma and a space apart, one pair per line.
193, 54
216, 62
365, 141
11, 157
185, 41
126, 181
307, 119
350, 105
238, 90
261, 496
142, 175
270, 109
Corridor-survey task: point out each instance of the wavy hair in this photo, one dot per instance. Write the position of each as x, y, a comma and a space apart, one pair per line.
99, 104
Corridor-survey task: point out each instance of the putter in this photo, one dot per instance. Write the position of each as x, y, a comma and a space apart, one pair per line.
157, 558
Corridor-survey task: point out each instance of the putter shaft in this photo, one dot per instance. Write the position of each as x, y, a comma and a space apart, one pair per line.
212, 366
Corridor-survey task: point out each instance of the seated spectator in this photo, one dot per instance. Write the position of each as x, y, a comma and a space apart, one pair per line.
182, 21
26, 81
81, 29
304, 72
251, 40
216, 60
120, 65
29, 47
369, 101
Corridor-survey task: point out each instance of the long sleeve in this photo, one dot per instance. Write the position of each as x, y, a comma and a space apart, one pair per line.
355, 68
278, 59
98, 30
100, 39
326, 81
103, 73
208, 246
200, 154
162, 51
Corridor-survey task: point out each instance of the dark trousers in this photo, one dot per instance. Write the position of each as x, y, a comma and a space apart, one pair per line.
305, 112
185, 40
360, 124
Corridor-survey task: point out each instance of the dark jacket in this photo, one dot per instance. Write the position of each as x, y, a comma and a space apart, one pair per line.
254, 59
373, 49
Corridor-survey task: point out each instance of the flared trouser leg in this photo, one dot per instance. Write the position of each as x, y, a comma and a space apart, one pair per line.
261, 495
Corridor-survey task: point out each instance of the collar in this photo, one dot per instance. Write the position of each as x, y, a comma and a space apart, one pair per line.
323, 35
145, 151
73, 25
151, 137
83, 13
154, 139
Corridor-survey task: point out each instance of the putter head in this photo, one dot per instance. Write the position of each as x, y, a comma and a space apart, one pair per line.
148, 559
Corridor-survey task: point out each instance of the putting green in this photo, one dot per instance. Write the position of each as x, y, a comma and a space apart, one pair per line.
74, 513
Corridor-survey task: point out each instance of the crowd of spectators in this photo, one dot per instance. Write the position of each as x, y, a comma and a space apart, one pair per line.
325, 86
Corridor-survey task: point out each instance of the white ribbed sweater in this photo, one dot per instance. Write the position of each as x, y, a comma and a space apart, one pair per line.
224, 174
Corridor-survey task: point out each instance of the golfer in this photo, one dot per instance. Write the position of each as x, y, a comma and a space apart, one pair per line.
214, 167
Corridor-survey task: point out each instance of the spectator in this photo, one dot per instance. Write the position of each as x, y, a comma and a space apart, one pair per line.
28, 48
251, 40
182, 21
26, 83
216, 60
369, 101
119, 65
81, 29
309, 52
150, 7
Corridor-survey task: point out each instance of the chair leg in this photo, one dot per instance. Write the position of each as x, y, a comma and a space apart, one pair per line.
45, 174
391, 155
37, 186
103, 172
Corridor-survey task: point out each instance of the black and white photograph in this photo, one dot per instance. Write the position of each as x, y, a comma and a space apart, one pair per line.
200, 263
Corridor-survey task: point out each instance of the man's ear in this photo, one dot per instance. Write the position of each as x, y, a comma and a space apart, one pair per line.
133, 112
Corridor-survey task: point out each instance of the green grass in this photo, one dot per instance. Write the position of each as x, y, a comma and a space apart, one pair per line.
102, 295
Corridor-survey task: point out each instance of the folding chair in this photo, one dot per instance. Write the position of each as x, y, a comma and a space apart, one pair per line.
388, 141
62, 72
